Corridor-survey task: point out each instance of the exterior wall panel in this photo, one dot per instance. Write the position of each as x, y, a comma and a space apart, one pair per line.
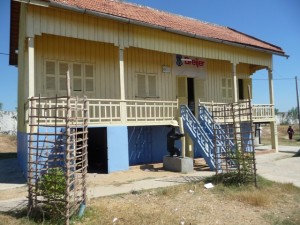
71, 24
104, 57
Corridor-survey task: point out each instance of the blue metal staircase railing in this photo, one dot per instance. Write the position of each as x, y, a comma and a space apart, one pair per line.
198, 135
224, 143
208, 124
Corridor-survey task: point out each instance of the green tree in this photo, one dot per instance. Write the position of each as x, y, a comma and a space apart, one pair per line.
293, 113
1, 104
276, 111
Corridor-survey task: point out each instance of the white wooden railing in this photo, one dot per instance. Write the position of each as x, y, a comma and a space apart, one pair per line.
260, 112
109, 111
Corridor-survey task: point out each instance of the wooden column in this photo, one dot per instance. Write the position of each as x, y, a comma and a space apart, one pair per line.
234, 82
123, 113
31, 82
273, 125
122, 73
271, 89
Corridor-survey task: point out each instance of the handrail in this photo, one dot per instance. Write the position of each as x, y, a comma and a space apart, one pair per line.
113, 111
208, 122
198, 135
260, 112
223, 142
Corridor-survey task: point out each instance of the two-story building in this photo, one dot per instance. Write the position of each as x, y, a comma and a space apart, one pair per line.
136, 65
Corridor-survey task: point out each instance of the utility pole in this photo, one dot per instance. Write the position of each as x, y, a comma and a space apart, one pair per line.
297, 101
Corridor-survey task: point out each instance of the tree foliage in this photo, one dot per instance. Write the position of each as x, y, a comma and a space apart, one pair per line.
293, 113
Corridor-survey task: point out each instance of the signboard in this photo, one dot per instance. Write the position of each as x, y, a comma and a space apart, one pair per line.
189, 66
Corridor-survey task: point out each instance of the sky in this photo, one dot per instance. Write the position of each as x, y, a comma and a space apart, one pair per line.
273, 21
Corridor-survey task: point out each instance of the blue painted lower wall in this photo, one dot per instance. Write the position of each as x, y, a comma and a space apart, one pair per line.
22, 150
148, 144
246, 130
126, 146
42, 155
117, 145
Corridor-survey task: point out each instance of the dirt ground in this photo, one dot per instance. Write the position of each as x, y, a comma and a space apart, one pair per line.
187, 204
8, 144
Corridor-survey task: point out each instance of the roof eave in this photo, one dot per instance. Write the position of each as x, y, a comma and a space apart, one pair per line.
140, 23
14, 32
49, 3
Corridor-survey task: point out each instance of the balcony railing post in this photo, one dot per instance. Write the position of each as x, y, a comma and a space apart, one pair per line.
123, 111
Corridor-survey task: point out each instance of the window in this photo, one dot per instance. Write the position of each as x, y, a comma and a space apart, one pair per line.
146, 85
89, 78
81, 76
63, 69
77, 77
226, 88
50, 75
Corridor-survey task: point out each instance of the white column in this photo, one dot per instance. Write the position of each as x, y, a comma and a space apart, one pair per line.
271, 89
122, 79
123, 112
234, 81
31, 82
273, 125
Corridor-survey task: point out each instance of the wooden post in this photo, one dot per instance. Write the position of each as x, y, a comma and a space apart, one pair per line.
31, 82
30, 157
85, 155
273, 125
67, 161
123, 112
234, 82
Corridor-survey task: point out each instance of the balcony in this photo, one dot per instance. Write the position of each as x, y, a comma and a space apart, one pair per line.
105, 112
260, 112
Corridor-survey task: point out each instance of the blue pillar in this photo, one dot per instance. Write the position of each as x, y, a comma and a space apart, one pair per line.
117, 149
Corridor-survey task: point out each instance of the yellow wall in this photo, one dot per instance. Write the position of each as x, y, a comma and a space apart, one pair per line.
104, 57
67, 36
106, 60
82, 26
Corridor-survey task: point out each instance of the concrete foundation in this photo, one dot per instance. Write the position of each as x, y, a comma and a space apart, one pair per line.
178, 164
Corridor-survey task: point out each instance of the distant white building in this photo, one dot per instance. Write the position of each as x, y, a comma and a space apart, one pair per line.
8, 122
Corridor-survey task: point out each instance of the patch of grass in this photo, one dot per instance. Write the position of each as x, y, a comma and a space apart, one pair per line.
263, 196
254, 197
292, 219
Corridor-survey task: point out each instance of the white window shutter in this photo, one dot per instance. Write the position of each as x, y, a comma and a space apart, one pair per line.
152, 86
77, 77
89, 78
50, 77
141, 85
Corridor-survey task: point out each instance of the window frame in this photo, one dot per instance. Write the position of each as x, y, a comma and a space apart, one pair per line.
57, 76
227, 88
147, 85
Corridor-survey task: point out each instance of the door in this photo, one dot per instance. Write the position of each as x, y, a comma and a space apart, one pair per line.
182, 90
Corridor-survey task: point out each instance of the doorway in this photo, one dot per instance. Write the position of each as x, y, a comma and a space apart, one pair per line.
241, 89
191, 94
97, 150
186, 92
